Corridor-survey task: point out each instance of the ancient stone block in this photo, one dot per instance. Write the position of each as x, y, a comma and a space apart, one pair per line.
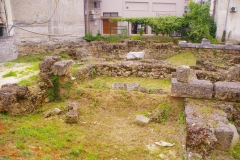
119, 86
205, 41
182, 44
72, 114
235, 139
227, 91
183, 74
195, 89
224, 135
133, 86
63, 68
135, 55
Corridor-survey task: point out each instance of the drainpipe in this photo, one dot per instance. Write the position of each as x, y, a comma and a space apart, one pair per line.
5, 10
85, 16
225, 26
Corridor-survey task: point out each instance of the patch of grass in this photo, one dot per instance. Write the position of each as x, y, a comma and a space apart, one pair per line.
29, 81
181, 117
33, 67
30, 58
166, 108
19, 144
235, 151
64, 55
219, 63
215, 53
104, 82
25, 82
54, 92
10, 74
156, 39
8, 64
99, 84
26, 153
186, 58
76, 151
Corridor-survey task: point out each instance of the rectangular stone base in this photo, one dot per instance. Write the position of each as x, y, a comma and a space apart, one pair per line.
227, 91
194, 89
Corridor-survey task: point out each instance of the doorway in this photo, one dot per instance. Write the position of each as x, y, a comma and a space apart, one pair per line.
109, 27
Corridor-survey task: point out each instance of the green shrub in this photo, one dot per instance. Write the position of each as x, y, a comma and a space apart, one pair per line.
89, 37
54, 92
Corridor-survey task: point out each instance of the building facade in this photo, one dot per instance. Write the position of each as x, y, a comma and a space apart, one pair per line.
38, 18
98, 13
227, 18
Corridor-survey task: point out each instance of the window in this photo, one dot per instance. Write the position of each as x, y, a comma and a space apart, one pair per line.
110, 14
96, 4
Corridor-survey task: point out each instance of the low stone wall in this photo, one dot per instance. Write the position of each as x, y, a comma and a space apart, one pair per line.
145, 69
7, 49
206, 44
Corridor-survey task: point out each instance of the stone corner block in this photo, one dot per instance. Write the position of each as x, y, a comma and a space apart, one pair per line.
63, 68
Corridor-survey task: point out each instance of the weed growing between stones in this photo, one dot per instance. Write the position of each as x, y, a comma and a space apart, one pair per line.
54, 92
166, 108
215, 53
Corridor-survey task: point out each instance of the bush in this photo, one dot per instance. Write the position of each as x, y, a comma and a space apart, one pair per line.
89, 37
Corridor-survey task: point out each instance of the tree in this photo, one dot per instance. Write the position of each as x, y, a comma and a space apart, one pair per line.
199, 22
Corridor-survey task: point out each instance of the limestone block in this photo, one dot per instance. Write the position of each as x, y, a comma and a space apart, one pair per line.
133, 86
142, 119
227, 91
120, 86
182, 44
135, 55
71, 117
183, 74
224, 135
205, 41
72, 114
235, 139
194, 89
63, 68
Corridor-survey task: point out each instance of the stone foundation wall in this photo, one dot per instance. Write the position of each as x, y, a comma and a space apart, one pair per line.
144, 69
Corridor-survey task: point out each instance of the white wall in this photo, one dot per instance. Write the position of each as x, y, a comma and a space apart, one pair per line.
233, 20
68, 18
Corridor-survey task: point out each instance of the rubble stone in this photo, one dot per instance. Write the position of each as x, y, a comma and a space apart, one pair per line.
142, 119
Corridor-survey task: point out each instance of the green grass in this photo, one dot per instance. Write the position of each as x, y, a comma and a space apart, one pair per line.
10, 74
29, 81
106, 82
186, 58
157, 39
30, 58
235, 151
